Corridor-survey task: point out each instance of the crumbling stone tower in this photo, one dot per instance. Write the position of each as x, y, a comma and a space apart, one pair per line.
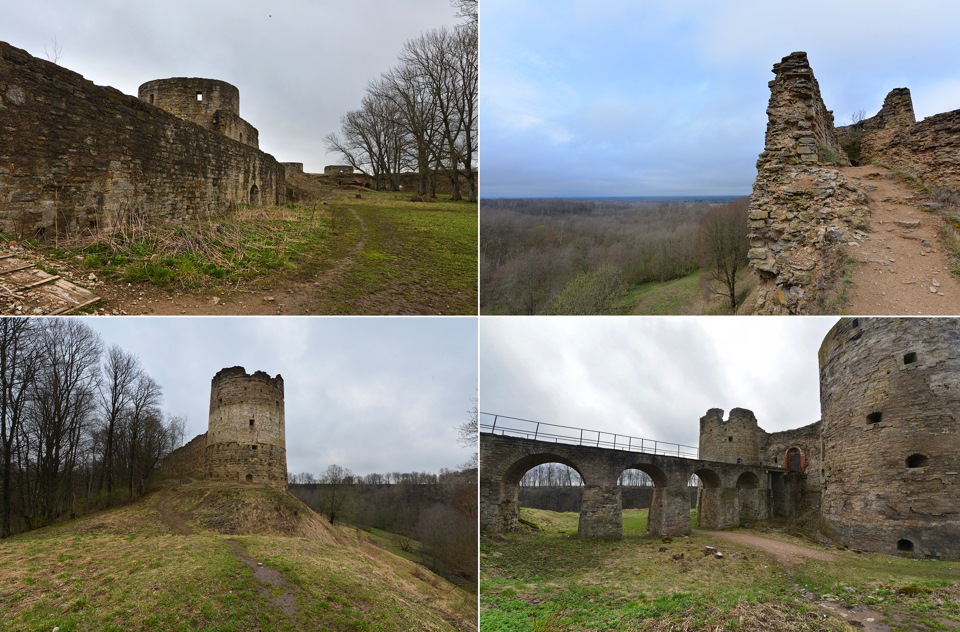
736, 440
209, 103
890, 398
245, 439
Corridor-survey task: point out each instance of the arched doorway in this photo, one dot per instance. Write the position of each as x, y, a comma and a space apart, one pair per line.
795, 460
255, 195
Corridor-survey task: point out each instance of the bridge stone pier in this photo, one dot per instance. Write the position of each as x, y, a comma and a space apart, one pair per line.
732, 494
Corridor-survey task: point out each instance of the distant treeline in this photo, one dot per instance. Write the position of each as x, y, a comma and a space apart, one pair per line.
565, 498
579, 256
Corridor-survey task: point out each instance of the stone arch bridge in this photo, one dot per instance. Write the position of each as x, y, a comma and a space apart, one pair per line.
732, 495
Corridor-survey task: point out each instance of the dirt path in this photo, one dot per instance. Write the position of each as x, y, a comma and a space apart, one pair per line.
173, 520
785, 552
292, 297
268, 579
792, 554
900, 266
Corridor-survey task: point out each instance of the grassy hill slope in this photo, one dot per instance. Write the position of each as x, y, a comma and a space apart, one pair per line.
205, 557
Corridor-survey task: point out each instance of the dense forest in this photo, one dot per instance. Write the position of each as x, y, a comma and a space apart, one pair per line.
581, 256
81, 426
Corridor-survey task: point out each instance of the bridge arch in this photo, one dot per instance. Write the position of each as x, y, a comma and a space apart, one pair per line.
725, 487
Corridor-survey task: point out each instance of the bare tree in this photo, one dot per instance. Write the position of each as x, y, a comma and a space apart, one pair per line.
121, 370
144, 415
724, 243
62, 402
17, 369
53, 52
467, 9
469, 436
336, 492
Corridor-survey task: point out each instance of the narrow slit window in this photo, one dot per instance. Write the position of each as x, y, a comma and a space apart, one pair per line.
199, 96
910, 358
730, 439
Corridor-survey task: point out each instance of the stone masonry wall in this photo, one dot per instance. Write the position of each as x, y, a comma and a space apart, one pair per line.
801, 208
890, 396
76, 157
928, 149
187, 461
246, 436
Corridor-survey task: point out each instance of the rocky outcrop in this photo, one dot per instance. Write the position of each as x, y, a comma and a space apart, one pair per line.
802, 210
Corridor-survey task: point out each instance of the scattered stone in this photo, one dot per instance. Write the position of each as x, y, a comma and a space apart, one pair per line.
663, 549
215, 300
936, 283
718, 555
678, 556
933, 290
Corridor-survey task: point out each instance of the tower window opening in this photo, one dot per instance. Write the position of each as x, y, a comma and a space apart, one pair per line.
249, 478
910, 358
874, 418
917, 460
251, 423
253, 447
904, 545
730, 439
151, 99
199, 96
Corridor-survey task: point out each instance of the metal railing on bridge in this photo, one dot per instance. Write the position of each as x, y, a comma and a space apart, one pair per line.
542, 431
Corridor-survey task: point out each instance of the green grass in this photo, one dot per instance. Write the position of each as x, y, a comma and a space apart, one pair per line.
386, 254
427, 251
678, 296
548, 579
124, 569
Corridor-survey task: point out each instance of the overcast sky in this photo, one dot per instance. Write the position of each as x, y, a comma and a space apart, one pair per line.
666, 97
372, 394
299, 64
651, 377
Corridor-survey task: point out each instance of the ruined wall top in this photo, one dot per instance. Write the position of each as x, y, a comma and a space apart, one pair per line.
240, 372
734, 440
799, 127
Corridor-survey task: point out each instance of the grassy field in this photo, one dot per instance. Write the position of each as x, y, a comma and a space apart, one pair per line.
678, 296
130, 569
547, 580
374, 254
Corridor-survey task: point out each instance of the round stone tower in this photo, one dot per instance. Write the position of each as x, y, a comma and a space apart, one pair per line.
192, 98
245, 438
890, 399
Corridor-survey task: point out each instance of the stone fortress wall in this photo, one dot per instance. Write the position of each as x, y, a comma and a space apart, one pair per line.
803, 210
882, 466
77, 158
